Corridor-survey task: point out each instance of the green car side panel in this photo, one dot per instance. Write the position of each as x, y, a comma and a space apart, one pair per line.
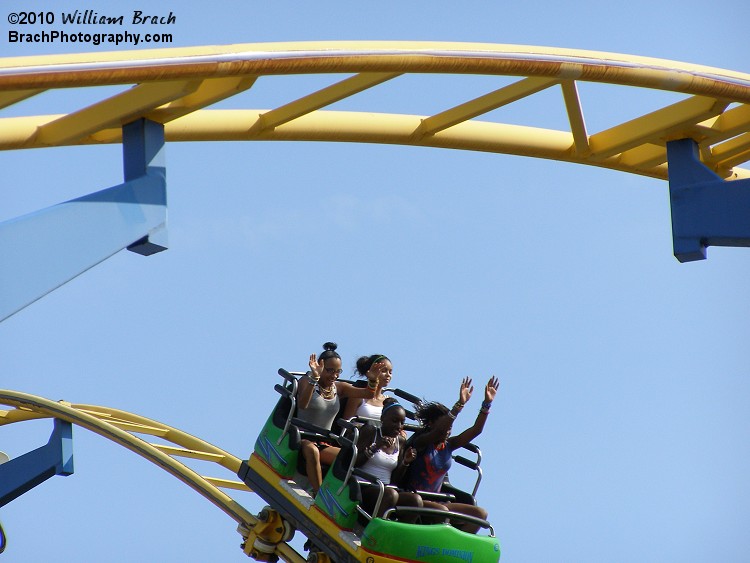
434, 543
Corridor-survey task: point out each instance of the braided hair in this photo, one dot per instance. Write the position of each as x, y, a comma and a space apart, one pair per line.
428, 412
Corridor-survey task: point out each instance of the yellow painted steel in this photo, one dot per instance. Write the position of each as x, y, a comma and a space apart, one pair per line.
209, 92
484, 104
13, 97
119, 426
115, 111
666, 123
575, 117
322, 98
715, 111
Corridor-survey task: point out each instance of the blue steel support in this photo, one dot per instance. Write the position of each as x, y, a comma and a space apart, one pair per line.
706, 210
41, 251
21, 474
143, 155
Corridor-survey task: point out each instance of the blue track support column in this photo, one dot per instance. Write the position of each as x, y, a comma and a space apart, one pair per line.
143, 155
41, 251
706, 210
21, 474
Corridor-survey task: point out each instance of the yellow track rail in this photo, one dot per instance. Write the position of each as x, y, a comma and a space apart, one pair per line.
121, 427
173, 86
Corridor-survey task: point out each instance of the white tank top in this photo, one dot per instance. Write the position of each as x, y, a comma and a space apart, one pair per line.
367, 410
382, 465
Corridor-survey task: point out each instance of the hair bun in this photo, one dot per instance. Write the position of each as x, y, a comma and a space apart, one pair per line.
330, 346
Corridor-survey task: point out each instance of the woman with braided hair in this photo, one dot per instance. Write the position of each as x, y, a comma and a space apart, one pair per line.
435, 445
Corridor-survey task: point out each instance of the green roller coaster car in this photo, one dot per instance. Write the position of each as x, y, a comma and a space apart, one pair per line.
339, 499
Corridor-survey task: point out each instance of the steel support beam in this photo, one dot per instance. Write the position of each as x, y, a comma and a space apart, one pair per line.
43, 250
21, 474
706, 210
143, 157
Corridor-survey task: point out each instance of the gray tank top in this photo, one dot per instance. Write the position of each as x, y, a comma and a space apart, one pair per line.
320, 412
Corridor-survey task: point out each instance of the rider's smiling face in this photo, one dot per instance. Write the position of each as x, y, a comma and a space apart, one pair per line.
331, 371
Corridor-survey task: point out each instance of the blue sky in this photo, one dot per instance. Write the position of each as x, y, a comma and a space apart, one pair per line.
620, 432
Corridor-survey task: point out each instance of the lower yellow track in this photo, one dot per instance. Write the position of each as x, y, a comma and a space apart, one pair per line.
120, 427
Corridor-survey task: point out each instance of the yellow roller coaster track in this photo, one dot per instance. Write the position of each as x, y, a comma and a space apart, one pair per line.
173, 86
121, 427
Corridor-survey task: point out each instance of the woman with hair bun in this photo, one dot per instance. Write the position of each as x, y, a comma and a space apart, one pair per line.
377, 367
318, 403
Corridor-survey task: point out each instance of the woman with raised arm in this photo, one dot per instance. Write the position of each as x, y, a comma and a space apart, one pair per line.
435, 445
318, 403
376, 365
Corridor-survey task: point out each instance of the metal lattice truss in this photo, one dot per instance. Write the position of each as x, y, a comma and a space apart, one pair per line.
174, 86
154, 441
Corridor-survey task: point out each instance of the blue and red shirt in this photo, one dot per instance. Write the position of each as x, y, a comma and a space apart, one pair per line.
428, 470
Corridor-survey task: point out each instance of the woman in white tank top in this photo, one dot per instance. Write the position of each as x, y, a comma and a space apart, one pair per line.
384, 460
373, 366
382, 453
